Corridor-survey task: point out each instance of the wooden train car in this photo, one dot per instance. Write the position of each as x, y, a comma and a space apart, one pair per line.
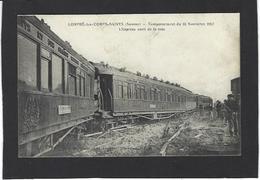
55, 86
203, 102
125, 93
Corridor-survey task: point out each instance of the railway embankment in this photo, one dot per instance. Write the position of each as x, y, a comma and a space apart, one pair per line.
196, 134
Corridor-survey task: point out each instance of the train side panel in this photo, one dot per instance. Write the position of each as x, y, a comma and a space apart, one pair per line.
135, 96
41, 114
55, 85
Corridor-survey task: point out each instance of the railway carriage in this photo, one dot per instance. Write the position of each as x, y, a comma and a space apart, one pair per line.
203, 102
55, 86
126, 94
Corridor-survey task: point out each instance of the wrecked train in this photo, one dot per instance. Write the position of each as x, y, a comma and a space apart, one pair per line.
58, 89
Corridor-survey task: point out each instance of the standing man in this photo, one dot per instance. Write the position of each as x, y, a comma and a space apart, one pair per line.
201, 109
231, 115
218, 108
223, 112
211, 117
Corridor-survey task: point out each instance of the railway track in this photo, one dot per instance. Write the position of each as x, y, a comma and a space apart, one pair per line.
142, 133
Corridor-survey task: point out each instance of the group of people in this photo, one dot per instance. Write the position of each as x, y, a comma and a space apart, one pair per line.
228, 111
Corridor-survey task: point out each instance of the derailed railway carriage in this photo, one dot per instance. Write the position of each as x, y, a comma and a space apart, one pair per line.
55, 86
124, 94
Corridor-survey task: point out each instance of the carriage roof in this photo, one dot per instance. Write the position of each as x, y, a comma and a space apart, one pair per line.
110, 70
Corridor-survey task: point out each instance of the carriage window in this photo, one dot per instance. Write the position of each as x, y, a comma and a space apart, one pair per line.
159, 96
90, 86
120, 91
45, 74
78, 85
142, 92
72, 79
87, 83
173, 98
137, 92
129, 91
148, 93
155, 95
83, 85
125, 90
57, 84
168, 97
163, 96
27, 60
45, 67
151, 94
88, 90
145, 94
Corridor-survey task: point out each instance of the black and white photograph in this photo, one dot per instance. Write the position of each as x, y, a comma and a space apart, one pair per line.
128, 85
129, 89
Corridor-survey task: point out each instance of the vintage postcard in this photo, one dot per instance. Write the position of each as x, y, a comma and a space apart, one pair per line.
129, 85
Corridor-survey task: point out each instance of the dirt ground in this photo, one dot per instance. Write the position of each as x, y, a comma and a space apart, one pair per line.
195, 134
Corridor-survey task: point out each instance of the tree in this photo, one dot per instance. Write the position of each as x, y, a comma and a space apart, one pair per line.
155, 78
123, 69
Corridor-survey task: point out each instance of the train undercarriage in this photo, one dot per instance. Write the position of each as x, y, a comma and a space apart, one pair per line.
101, 123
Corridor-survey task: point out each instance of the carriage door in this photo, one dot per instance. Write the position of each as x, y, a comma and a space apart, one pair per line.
107, 93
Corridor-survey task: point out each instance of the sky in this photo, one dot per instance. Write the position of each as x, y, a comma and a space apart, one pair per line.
201, 52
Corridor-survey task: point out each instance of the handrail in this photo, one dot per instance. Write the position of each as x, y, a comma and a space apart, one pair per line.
110, 94
102, 98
